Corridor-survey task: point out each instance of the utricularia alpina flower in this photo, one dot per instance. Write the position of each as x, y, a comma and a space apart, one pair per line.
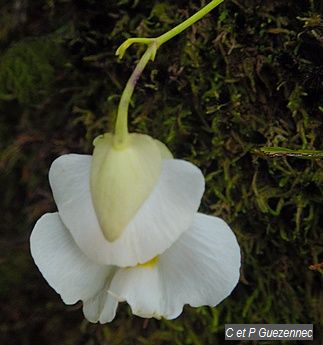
127, 229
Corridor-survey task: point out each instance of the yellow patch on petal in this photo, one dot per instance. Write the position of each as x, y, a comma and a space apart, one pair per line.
122, 179
151, 263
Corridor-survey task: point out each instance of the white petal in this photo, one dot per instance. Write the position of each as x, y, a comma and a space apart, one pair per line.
101, 307
201, 268
142, 289
167, 212
67, 270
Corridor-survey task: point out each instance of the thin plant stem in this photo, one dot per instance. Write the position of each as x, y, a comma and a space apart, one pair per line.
187, 23
121, 127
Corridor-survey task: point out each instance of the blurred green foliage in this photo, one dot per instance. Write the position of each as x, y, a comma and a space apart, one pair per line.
249, 74
27, 70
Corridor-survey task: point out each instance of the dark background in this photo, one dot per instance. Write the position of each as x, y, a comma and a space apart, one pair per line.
248, 75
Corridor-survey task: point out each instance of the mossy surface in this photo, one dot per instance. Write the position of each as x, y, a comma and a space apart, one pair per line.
247, 75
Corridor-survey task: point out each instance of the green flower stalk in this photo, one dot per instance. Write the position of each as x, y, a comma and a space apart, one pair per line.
121, 127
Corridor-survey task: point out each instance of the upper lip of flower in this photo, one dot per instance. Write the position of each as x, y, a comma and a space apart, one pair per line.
166, 213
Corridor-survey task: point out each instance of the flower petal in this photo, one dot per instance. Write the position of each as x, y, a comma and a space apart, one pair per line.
167, 212
142, 287
101, 307
200, 268
67, 270
163, 150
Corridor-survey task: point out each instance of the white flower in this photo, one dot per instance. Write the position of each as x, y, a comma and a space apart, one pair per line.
156, 253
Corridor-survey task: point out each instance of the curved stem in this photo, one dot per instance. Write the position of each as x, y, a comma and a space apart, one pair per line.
126, 44
187, 23
121, 128
169, 34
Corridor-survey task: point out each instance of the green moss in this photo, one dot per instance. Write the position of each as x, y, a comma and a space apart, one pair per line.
247, 76
27, 70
